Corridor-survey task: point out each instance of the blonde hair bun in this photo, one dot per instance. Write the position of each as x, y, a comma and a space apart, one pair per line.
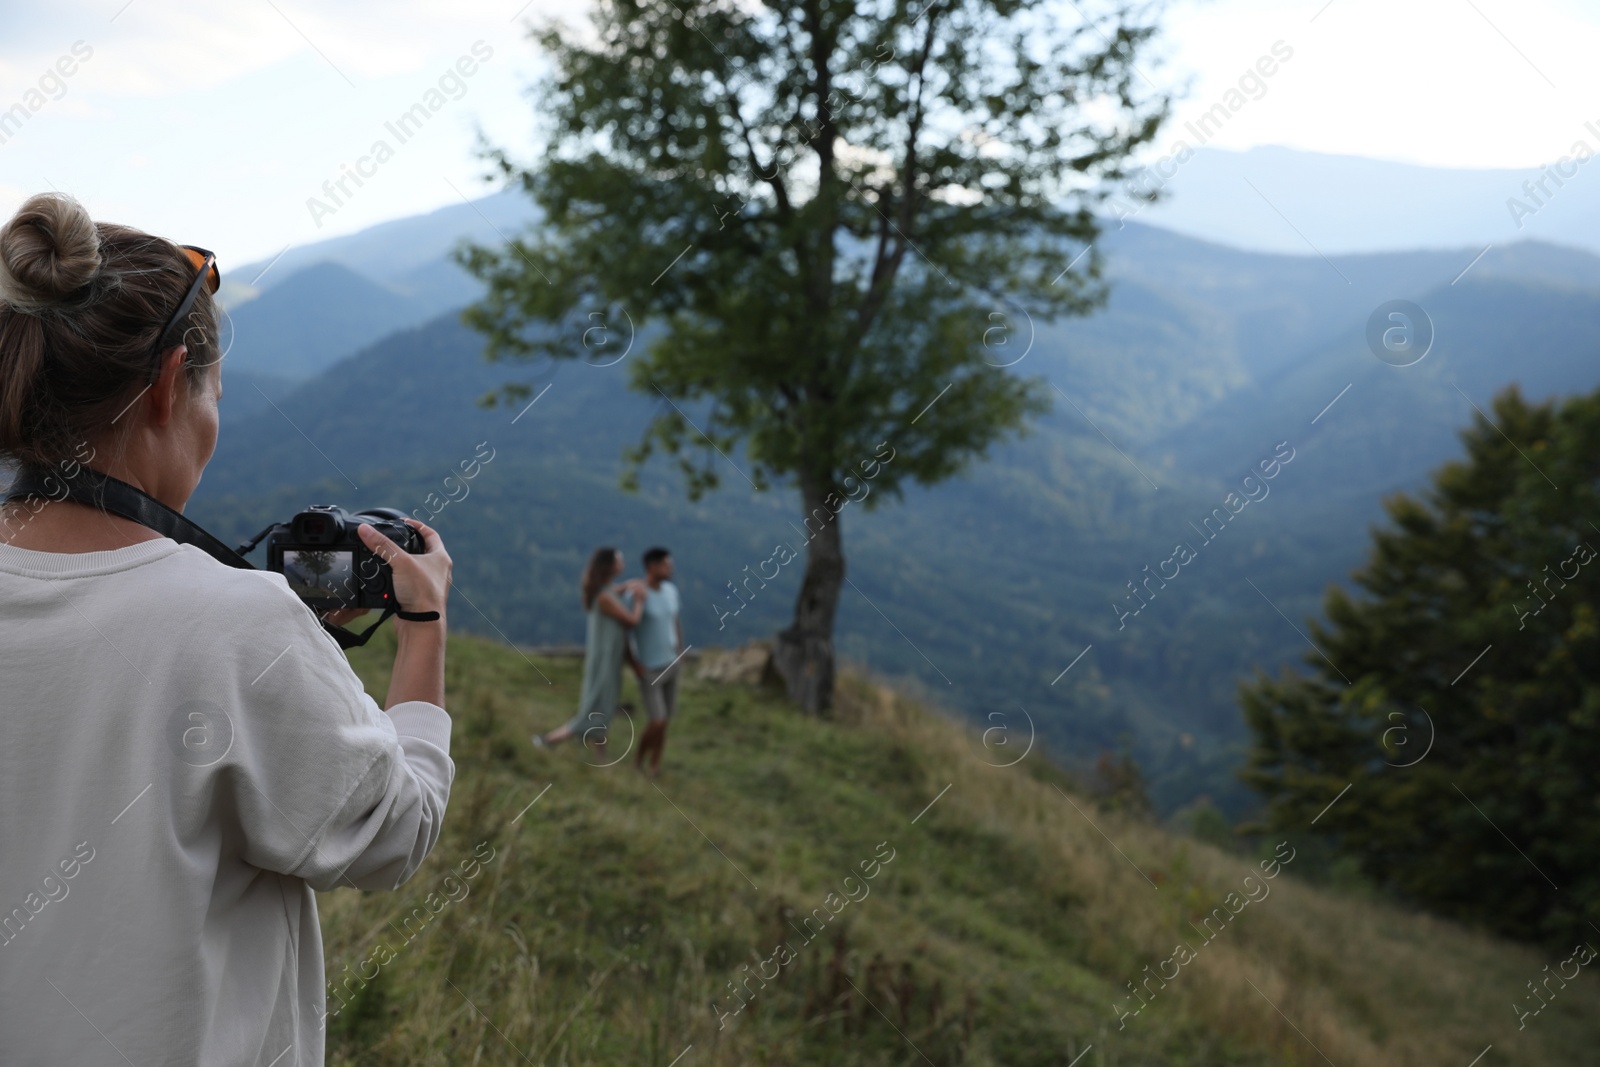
48, 250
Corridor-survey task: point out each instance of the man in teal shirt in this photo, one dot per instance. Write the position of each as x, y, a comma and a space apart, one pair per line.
657, 659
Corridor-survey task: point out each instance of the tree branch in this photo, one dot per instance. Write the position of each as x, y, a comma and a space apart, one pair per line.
780, 192
819, 295
884, 270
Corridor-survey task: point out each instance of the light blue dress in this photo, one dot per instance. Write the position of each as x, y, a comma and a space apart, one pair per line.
602, 672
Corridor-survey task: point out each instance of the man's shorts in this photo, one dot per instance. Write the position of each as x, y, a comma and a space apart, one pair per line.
659, 689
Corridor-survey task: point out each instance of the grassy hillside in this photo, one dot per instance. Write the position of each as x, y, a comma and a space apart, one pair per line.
602, 923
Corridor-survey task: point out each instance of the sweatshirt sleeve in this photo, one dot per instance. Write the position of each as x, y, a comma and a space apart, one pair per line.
324, 785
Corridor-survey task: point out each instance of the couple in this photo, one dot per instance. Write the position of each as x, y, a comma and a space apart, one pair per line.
652, 616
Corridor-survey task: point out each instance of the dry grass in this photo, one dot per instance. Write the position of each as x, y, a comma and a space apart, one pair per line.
1004, 930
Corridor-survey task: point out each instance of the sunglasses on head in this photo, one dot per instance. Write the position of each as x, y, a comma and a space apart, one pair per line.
207, 274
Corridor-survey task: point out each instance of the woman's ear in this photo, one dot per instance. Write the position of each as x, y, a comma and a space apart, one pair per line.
169, 389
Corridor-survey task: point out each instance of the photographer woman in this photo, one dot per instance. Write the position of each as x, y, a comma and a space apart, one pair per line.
185, 753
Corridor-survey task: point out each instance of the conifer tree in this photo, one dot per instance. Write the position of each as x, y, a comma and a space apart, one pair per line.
1469, 730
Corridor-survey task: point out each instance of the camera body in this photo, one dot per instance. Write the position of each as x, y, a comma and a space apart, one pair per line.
326, 564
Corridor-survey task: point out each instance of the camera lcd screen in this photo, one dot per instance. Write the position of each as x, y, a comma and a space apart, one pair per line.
320, 573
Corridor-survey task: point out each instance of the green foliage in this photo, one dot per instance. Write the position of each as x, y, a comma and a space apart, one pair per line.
1205, 823
1119, 785
364, 1019
836, 213
1498, 821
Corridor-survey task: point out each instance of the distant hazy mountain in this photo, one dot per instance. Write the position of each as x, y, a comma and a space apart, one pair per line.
984, 589
296, 314
1275, 200
314, 318
1489, 332
245, 392
404, 254
1343, 204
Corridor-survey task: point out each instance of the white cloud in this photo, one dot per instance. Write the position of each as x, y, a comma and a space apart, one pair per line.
238, 119
1438, 82
171, 47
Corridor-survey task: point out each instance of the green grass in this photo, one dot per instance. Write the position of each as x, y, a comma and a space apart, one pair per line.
614, 912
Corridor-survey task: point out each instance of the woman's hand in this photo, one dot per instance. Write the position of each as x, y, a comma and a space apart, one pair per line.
421, 582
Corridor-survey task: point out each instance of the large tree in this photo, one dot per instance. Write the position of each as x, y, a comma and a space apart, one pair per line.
1468, 731
842, 218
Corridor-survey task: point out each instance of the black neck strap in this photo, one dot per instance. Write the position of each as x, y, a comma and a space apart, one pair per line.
99, 490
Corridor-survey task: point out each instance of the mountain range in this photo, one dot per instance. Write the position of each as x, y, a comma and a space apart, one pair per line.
1027, 593
1276, 199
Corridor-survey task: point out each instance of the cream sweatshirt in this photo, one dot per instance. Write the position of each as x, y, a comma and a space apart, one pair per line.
185, 755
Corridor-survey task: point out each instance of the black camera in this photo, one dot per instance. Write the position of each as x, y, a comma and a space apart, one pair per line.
326, 564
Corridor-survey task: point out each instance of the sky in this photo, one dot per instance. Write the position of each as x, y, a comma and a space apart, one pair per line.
217, 124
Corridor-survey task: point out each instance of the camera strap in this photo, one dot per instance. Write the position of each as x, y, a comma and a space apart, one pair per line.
99, 490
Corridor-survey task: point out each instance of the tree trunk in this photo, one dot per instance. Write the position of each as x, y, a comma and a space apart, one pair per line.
803, 652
